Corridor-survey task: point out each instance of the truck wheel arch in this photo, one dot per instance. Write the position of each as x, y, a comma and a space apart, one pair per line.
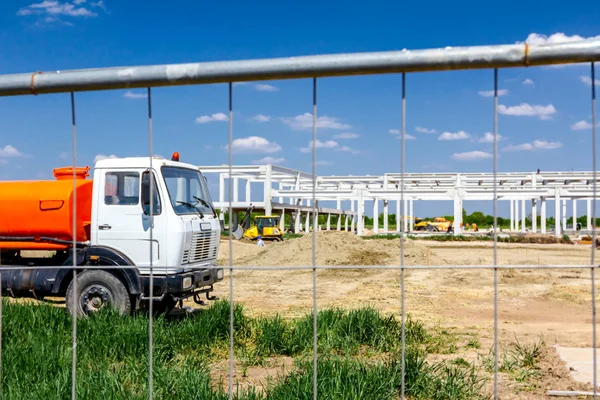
106, 256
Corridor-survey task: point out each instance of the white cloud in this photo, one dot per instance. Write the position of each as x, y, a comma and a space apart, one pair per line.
103, 157
406, 136
64, 155
535, 145
488, 137
262, 87
208, 147
346, 136
254, 144
543, 145
581, 126
324, 163
10, 151
347, 149
528, 110
490, 93
460, 135
394, 131
420, 129
527, 82
204, 119
56, 8
260, 118
559, 37
588, 81
471, 155
328, 144
269, 160
305, 122
131, 95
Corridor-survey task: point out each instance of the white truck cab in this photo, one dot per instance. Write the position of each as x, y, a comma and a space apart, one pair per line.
171, 241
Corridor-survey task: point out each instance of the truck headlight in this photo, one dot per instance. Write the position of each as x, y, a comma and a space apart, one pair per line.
187, 282
219, 274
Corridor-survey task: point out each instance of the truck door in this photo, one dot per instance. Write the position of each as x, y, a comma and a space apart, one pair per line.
123, 222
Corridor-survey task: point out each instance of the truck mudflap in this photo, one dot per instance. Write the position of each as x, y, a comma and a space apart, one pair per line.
182, 285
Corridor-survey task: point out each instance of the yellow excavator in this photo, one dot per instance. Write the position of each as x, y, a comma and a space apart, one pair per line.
265, 226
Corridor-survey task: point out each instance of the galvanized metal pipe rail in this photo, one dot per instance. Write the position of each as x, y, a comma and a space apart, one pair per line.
449, 58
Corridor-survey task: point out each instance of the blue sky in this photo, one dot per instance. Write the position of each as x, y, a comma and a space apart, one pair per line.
545, 119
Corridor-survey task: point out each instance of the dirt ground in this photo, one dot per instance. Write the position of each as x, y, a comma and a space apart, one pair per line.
553, 304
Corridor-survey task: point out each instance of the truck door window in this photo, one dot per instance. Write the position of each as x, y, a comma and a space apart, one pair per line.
122, 188
156, 204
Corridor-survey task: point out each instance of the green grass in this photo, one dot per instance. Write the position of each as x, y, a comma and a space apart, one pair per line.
520, 361
359, 355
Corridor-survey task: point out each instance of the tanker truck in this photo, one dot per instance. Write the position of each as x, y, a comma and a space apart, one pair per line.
115, 239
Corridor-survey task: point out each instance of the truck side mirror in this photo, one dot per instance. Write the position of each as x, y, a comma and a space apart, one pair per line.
145, 196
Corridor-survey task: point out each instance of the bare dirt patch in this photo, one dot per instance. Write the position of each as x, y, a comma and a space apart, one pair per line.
551, 303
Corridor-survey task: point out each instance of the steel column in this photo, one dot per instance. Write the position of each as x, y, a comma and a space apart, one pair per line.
543, 215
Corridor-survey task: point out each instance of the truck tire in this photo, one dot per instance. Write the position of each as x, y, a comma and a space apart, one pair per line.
96, 290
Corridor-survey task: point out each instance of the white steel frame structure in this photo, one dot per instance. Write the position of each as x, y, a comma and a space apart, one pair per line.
287, 189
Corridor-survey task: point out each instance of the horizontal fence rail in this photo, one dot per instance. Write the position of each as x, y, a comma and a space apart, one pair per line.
403, 61
449, 58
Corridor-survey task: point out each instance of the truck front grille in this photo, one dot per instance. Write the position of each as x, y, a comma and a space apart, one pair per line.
203, 248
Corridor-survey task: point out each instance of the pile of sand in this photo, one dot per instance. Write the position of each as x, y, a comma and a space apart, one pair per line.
333, 248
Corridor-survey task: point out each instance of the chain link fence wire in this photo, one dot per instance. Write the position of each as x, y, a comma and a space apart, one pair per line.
489, 57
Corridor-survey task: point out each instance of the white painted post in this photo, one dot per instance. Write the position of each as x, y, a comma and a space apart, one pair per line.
339, 216
236, 187
589, 215
512, 215
397, 215
248, 193
346, 223
411, 216
376, 215
328, 221
353, 216
361, 209
574, 214
307, 224
282, 220
405, 216
298, 221
517, 221
564, 215
457, 207
267, 190
523, 216
557, 230
222, 192
385, 216
543, 215
533, 215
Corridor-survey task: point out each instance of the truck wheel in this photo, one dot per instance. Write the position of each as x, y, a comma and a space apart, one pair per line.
97, 290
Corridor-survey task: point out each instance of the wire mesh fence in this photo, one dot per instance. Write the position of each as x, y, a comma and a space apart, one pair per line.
151, 280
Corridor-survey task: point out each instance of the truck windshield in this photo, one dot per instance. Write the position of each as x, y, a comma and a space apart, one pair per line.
187, 191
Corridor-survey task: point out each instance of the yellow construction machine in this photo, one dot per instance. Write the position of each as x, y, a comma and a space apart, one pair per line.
265, 226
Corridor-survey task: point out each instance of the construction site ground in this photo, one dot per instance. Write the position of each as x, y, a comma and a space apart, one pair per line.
553, 305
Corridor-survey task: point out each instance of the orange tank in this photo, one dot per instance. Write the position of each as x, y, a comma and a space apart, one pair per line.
44, 209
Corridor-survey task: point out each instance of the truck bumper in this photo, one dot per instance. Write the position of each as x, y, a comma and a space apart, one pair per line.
183, 285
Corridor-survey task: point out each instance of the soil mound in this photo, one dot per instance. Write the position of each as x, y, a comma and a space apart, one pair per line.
333, 248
